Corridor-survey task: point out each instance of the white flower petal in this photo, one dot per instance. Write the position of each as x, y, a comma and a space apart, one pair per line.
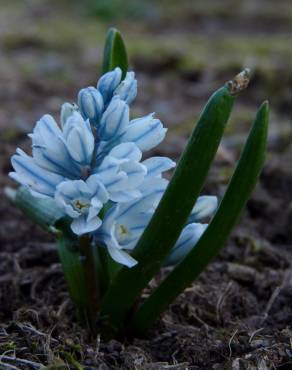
114, 120
93, 212
90, 102
205, 206
135, 173
97, 188
47, 128
156, 165
49, 149
186, 242
127, 90
108, 83
117, 182
124, 196
29, 174
153, 184
72, 189
80, 145
128, 151
67, 110
121, 257
146, 132
81, 226
143, 204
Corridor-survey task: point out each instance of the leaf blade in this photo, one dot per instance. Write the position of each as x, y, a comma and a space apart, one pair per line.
115, 54
244, 177
173, 210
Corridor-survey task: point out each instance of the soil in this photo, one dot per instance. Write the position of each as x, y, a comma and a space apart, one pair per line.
238, 314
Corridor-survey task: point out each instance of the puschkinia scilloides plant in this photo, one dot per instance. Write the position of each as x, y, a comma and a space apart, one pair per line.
116, 219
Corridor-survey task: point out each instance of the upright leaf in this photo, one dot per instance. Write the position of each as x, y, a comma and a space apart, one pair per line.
74, 274
211, 242
115, 54
173, 210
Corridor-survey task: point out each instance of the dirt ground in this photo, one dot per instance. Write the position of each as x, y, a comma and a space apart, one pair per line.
238, 314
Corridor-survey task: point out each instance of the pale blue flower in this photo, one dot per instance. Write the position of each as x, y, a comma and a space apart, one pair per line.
124, 223
108, 83
82, 201
127, 89
93, 163
67, 110
56, 154
79, 139
91, 105
186, 242
157, 165
146, 132
49, 149
68, 152
41, 182
114, 121
121, 172
97, 152
205, 206
112, 124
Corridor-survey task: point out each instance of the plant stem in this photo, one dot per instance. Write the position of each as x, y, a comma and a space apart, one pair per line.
92, 283
73, 272
80, 270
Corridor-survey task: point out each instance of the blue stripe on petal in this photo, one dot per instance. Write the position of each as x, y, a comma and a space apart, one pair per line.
186, 242
126, 151
121, 257
28, 173
205, 206
108, 83
90, 103
114, 120
127, 90
145, 132
157, 165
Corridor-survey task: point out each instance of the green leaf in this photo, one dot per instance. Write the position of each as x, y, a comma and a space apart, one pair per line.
73, 271
173, 210
43, 211
214, 238
115, 54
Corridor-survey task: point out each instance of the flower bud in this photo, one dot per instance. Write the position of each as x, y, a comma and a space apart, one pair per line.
108, 83
127, 89
66, 111
146, 132
90, 103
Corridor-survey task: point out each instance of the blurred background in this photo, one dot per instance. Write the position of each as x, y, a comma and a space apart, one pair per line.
181, 51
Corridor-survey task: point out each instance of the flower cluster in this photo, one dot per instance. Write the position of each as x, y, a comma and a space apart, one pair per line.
92, 166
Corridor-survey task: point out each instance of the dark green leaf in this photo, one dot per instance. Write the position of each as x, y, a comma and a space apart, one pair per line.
73, 271
173, 210
115, 54
210, 244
